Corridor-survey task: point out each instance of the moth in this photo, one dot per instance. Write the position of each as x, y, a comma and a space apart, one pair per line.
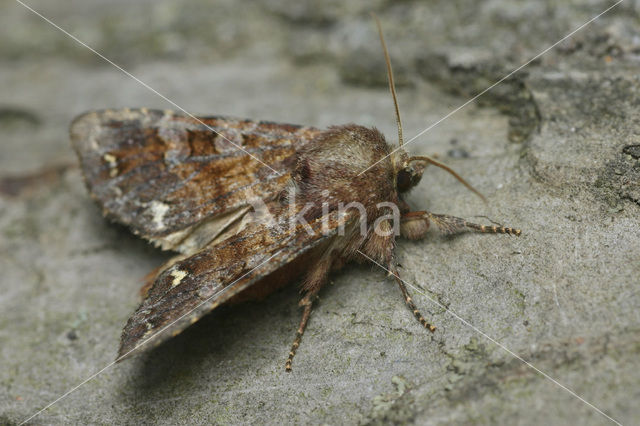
249, 206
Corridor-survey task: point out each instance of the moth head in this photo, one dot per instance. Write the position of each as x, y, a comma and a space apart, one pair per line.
408, 173
408, 170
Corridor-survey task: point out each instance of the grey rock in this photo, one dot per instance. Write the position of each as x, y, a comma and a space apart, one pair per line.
554, 148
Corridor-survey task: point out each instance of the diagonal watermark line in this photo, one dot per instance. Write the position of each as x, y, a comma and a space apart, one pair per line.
145, 85
494, 84
142, 343
486, 336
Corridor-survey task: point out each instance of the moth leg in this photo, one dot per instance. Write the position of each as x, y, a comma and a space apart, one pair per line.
409, 301
414, 225
307, 302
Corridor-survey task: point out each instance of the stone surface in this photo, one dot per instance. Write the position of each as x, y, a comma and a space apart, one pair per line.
555, 148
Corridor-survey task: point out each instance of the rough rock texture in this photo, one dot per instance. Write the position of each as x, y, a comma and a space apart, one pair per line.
555, 148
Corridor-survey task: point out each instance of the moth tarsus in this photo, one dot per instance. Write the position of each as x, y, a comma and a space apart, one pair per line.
307, 304
240, 230
409, 301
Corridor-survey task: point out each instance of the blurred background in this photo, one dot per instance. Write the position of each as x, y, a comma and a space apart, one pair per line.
233, 57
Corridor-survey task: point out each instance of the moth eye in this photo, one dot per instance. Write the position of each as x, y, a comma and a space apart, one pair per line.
404, 180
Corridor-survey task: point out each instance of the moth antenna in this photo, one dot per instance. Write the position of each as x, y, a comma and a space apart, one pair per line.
450, 170
392, 85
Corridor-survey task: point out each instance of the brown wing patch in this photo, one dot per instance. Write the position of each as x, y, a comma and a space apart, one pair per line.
162, 173
194, 286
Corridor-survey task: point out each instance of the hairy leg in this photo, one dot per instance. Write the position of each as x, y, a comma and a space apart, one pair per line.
307, 303
409, 301
414, 225
315, 279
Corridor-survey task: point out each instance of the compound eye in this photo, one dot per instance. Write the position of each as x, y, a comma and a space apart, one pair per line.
404, 180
